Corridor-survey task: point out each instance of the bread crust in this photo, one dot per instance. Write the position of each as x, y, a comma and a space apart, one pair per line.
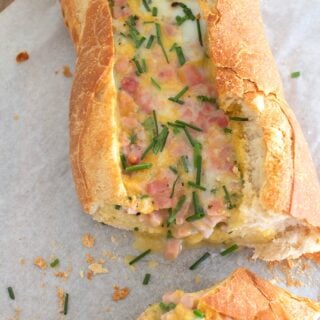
245, 296
245, 71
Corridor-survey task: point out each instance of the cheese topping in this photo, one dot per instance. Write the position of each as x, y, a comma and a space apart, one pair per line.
175, 143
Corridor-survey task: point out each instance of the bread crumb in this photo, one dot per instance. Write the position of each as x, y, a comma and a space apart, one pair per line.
120, 293
97, 268
16, 117
293, 282
22, 56
113, 239
22, 261
197, 279
81, 274
60, 296
88, 240
152, 264
61, 274
110, 255
89, 258
89, 275
66, 72
16, 315
40, 263
101, 261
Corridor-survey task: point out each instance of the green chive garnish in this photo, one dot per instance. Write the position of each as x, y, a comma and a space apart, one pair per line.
137, 167
158, 33
149, 147
146, 5
11, 293
173, 47
180, 55
169, 234
239, 119
227, 130
134, 34
199, 213
184, 161
54, 263
201, 259
160, 140
197, 186
229, 250
144, 65
150, 41
199, 31
155, 83
173, 212
139, 257
140, 42
138, 66
177, 97
117, 207
295, 74
198, 168
66, 304
206, 99
175, 125
187, 11
173, 169
198, 313
196, 153
123, 161
133, 138
154, 11
146, 279
214, 190
192, 126
186, 131
166, 307
173, 187
227, 198
155, 121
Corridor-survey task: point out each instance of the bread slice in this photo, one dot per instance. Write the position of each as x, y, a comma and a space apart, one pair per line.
278, 214
242, 296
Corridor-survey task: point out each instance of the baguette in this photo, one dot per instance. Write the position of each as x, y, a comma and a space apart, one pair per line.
253, 181
242, 296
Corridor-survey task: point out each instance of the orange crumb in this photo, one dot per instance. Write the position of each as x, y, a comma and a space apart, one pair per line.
110, 255
89, 275
89, 258
16, 117
66, 72
313, 256
272, 264
40, 263
101, 261
293, 282
60, 296
197, 279
88, 240
97, 268
119, 293
61, 274
22, 261
16, 315
22, 56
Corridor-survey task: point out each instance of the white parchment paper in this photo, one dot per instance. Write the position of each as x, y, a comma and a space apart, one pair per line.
39, 211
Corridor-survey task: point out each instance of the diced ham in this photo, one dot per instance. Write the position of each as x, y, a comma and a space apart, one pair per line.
134, 154
183, 213
172, 249
123, 65
129, 84
120, 10
129, 123
206, 118
206, 225
183, 231
188, 301
191, 75
166, 73
171, 297
170, 29
144, 100
215, 207
159, 190
222, 159
154, 219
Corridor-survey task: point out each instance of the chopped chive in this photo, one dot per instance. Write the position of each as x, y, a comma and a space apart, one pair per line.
239, 119
214, 190
148, 22
148, 124
139, 257
173, 47
206, 99
199, 30
180, 55
200, 260
149, 147
146, 279
158, 33
146, 5
138, 66
227, 198
155, 121
66, 304
173, 169
173, 187
173, 212
175, 125
154, 11
137, 167
54, 263
150, 41
295, 74
192, 126
197, 186
199, 213
134, 34
169, 234
11, 293
144, 196
160, 140
227, 130
133, 138
198, 313
155, 83
179, 95
121, 33
186, 131
195, 217
166, 307
144, 65
188, 15
140, 42
184, 161
198, 168
123, 161
229, 250
117, 207
196, 153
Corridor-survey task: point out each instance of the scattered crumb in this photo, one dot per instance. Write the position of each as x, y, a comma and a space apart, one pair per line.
22, 262
153, 264
313, 256
119, 293
88, 240
22, 56
102, 261
60, 296
66, 72
110, 255
197, 279
16, 315
291, 282
40, 263
97, 268
89, 258
16, 117
89, 275
81, 274
62, 274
